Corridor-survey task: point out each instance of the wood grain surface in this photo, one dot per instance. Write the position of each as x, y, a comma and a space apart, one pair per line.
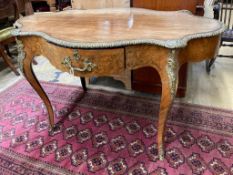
119, 24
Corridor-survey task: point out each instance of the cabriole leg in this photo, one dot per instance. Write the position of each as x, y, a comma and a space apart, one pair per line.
26, 67
30, 76
169, 79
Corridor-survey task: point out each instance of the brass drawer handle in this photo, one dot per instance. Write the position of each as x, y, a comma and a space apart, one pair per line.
88, 66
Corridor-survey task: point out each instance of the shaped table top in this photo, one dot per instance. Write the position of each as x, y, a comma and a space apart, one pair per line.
104, 28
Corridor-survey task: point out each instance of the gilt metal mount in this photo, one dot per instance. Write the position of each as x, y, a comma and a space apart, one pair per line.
88, 66
172, 68
21, 54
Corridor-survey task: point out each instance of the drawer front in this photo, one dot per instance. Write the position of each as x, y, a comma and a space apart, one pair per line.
99, 62
82, 62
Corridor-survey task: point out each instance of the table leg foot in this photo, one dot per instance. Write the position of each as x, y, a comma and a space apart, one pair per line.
54, 127
83, 82
31, 78
161, 153
169, 79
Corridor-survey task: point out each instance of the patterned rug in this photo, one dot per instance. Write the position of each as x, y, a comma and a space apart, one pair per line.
109, 133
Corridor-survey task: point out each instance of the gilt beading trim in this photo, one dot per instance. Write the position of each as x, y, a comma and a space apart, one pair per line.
171, 44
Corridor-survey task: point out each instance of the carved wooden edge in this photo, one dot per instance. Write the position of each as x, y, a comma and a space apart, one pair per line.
171, 44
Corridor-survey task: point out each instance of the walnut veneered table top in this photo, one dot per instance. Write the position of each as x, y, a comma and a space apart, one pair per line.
118, 27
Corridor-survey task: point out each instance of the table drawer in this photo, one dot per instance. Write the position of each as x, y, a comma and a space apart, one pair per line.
97, 62
81, 62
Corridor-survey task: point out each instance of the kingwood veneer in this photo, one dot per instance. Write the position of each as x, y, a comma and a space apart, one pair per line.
108, 42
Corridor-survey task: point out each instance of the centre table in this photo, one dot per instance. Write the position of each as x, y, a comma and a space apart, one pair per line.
108, 42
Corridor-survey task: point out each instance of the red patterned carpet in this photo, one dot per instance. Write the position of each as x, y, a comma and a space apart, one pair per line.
109, 133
